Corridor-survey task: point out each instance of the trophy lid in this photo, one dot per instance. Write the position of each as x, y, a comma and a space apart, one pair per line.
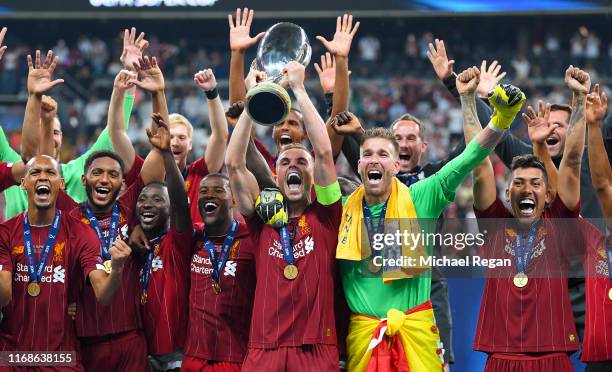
283, 42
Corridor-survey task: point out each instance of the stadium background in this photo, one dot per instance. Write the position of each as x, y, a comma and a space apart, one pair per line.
533, 40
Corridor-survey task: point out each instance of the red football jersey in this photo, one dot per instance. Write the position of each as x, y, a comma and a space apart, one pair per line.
300, 311
94, 319
538, 317
597, 343
42, 323
219, 323
270, 159
193, 174
6, 176
165, 313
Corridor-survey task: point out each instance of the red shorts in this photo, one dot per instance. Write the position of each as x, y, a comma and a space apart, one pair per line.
558, 362
121, 352
293, 358
193, 364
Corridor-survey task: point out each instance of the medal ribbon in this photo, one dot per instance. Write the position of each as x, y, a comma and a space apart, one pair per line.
285, 239
146, 270
36, 273
369, 222
609, 254
218, 263
522, 251
112, 233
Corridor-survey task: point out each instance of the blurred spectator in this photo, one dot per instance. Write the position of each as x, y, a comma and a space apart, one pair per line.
369, 48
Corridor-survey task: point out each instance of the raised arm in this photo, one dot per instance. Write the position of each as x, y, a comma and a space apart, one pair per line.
122, 144
180, 218
324, 169
240, 41
601, 173
569, 169
217, 143
539, 129
340, 46
39, 81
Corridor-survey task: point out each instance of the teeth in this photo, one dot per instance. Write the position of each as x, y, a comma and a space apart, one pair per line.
210, 206
374, 175
294, 179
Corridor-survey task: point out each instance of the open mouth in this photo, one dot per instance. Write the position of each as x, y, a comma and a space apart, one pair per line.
102, 191
285, 139
405, 156
210, 207
375, 176
42, 191
527, 207
551, 141
147, 216
294, 181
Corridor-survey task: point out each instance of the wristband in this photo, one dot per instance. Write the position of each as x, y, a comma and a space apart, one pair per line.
329, 102
496, 129
212, 94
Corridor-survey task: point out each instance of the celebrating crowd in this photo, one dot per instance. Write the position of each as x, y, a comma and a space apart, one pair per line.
261, 257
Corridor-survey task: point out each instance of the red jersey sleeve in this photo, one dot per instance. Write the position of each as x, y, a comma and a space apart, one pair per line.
129, 198
558, 210
6, 176
495, 210
65, 203
6, 263
134, 174
329, 215
199, 167
270, 159
255, 225
88, 247
182, 241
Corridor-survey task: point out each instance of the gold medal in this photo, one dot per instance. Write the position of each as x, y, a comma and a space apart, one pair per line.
373, 267
291, 272
108, 267
520, 280
33, 289
216, 288
610, 294
143, 297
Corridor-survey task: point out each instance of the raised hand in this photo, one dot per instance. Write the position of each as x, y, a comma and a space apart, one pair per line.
240, 40
253, 78
132, 48
39, 76
2, 47
578, 80
119, 252
345, 123
468, 80
294, 74
233, 112
340, 45
123, 80
489, 78
538, 126
48, 109
159, 133
437, 56
327, 72
596, 106
205, 80
151, 77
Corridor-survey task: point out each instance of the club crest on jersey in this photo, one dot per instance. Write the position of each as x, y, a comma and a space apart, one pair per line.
187, 185
58, 251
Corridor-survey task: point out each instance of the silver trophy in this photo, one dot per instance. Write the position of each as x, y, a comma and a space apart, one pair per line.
268, 103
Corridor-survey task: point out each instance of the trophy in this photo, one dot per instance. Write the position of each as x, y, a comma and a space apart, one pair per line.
268, 103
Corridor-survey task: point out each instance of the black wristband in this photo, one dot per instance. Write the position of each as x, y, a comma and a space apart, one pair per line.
329, 102
212, 94
450, 81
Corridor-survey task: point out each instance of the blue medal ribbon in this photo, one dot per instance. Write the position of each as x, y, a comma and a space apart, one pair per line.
36, 273
285, 239
112, 233
146, 270
609, 260
369, 222
218, 263
524, 248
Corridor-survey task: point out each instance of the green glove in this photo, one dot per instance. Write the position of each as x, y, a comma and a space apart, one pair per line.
270, 207
506, 100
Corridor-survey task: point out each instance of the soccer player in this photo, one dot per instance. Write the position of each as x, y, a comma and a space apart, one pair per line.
222, 283
45, 257
596, 348
525, 321
73, 170
412, 335
111, 336
293, 325
163, 215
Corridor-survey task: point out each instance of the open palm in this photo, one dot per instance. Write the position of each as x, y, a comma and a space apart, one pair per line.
239, 31
340, 45
40, 75
151, 77
538, 126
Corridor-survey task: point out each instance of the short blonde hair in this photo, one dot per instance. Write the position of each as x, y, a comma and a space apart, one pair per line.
178, 119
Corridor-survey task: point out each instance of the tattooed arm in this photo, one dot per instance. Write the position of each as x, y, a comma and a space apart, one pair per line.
569, 170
